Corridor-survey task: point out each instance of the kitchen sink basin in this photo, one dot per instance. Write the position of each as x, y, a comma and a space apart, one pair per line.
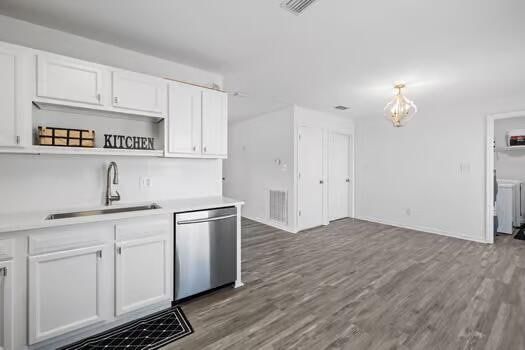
77, 214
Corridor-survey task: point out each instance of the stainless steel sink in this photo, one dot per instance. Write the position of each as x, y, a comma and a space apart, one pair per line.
77, 214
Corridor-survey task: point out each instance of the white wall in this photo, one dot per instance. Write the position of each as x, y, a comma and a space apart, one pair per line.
509, 165
429, 175
255, 145
31, 182
37, 37
34, 183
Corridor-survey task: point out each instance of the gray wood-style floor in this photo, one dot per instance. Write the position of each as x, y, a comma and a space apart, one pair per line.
361, 285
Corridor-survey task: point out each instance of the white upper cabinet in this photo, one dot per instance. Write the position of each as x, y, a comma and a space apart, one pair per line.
68, 79
197, 122
138, 92
15, 103
214, 123
184, 119
74, 83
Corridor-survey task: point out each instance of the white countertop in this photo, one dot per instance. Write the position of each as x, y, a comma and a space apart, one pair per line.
36, 220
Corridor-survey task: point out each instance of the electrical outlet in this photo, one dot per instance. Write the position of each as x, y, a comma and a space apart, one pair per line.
464, 167
145, 182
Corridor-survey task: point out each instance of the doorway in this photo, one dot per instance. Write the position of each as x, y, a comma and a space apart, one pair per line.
495, 145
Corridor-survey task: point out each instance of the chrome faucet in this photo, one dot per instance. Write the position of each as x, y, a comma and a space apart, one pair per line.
110, 198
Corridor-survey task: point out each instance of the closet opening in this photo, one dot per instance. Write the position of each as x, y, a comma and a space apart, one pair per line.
505, 178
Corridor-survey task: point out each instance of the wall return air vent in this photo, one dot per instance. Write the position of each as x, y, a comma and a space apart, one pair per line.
296, 6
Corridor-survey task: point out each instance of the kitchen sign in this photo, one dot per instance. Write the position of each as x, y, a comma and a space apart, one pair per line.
128, 142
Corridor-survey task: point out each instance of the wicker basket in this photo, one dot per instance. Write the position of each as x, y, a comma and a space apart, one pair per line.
51, 136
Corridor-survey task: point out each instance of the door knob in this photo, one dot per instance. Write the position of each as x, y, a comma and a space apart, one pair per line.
347, 180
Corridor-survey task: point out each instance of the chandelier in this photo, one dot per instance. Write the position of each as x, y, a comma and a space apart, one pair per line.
400, 110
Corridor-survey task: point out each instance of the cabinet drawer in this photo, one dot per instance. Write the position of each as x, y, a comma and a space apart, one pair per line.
70, 237
142, 229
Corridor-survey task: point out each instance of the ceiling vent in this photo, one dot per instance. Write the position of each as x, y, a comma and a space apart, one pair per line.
341, 108
296, 6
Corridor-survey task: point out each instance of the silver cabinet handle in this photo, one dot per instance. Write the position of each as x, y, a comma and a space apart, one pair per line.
321, 182
99, 254
196, 221
119, 250
347, 180
98, 97
3, 271
204, 149
194, 148
115, 99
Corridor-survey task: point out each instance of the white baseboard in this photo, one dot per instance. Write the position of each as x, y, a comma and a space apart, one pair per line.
423, 229
270, 223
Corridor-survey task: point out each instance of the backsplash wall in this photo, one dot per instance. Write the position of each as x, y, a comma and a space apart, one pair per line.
43, 182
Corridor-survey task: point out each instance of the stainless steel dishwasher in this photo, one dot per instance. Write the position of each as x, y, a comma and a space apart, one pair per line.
205, 250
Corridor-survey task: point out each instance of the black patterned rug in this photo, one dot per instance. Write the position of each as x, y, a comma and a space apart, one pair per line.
150, 332
520, 234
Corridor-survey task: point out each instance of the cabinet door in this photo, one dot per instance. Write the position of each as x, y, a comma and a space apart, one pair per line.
138, 92
184, 123
142, 273
14, 98
67, 79
6, 319
65, 291
214, 123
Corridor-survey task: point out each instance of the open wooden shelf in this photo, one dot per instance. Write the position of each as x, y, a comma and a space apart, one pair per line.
88, 151
510, 148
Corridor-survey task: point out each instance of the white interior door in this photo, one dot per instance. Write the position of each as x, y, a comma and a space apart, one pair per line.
310, 177
65, 291
339, 179
142, 269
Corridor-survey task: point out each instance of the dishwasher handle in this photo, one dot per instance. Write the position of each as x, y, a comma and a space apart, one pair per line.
196, 221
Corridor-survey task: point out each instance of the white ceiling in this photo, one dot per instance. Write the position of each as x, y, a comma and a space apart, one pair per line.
336, 52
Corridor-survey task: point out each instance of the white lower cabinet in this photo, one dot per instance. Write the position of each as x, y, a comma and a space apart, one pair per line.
65, 291
84, 277
142, 268
6, 319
